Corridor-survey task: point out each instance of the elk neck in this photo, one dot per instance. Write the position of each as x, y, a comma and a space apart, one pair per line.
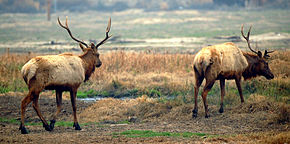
89, 61
250, 71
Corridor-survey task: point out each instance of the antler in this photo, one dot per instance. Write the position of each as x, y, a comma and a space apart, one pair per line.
266, 54
107, 34
247, 38
69, 32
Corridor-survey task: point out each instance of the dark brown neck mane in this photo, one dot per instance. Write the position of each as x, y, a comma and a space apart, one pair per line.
89, 63
250, 71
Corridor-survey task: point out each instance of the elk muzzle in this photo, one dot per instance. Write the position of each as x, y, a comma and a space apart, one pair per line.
98, 64
269, 75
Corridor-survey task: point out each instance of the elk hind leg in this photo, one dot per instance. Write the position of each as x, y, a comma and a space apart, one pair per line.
73, 102
37, 110
59, 107
207, 88
198, 80
24, 104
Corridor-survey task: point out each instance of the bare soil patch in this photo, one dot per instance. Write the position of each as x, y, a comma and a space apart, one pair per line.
255, 121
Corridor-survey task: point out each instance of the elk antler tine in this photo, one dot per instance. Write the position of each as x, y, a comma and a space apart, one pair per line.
248, 38
266, 56
109, 26
270, 51
107, 34
242, 31
66, 22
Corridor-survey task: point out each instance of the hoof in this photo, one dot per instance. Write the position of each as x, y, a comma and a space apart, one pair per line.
77, 126
194, 115
52, 122
23, 130
207, 116
221, 110
47, 127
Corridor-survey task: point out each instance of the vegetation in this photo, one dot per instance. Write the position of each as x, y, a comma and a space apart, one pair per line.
126, 74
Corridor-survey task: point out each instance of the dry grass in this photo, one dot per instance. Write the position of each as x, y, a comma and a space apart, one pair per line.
167, 73
113, 109
261, 138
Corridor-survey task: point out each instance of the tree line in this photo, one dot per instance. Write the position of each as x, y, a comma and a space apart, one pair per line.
39, 6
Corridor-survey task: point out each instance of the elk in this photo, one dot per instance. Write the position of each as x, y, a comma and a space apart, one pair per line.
227, 61
63, 72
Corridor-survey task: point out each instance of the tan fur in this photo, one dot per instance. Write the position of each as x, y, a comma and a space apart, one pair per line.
55, 69
223, 59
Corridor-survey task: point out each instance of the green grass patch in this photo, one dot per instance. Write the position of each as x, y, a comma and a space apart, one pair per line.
86, 94
5, 120
149, 133
123, 122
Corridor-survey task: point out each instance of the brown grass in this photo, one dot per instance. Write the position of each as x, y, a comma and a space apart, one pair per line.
142, 70
114, 109
260, 138
170, 72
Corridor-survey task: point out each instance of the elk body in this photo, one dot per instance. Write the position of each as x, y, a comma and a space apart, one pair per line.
227, 61
64, 72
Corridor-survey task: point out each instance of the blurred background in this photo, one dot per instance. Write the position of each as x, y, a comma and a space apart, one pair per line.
40, 6
163, 26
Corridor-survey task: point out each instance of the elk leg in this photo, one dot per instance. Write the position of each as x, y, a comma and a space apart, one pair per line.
24, 104
36, 108
196, 89
222, 85
73, 102
206, 89
238, 83
59, 107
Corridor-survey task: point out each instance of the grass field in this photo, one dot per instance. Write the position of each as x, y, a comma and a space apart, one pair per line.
127, 74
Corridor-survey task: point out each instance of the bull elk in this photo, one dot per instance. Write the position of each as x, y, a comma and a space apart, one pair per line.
227, 61
63, 72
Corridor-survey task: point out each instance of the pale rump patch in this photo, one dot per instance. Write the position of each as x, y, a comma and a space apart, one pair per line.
54, 69
223, 58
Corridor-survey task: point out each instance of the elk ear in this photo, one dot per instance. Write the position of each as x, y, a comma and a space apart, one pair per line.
82, 47
260, 54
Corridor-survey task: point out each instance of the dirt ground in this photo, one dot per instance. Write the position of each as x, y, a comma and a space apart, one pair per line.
254, 122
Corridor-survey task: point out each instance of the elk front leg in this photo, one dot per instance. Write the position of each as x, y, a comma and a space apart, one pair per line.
73, 102
59, 106
222, 85
24, 104
238, 83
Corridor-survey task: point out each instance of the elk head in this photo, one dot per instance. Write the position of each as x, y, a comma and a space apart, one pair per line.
92, 47
261, 65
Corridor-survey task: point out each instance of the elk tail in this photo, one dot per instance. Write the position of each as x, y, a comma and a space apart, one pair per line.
28, 71
201, 67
